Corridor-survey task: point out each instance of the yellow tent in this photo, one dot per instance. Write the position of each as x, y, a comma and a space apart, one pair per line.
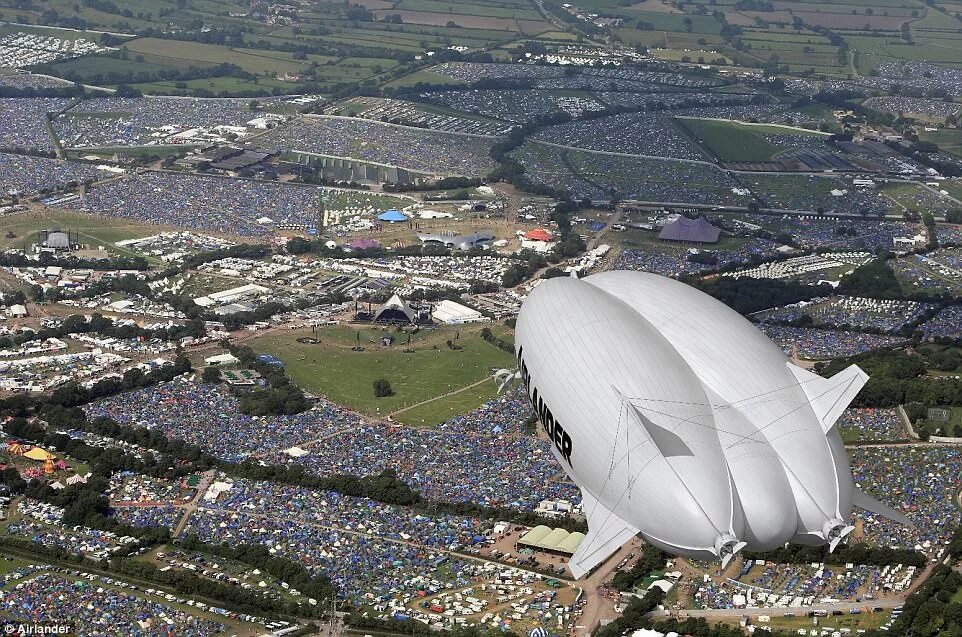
38, 454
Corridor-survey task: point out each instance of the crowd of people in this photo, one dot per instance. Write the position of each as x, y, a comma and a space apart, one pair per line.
923, 482
411, 148
873, 424
208, 416
92, 543
513, 105
671, 260
25, 175
97, 609
478, 457
130, 487
165, 515
362, 567
809, 192
947, 323
898, 105
124, 121
816, 344
202, 202
848, 312
632, 133
23, 122
601, 177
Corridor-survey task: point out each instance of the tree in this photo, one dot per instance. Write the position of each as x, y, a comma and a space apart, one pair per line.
211, 375
382, 388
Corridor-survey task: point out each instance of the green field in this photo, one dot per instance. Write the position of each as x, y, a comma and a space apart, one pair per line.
948, 140
331, 369
957, 598
953, 187
437, 411
329, 46
729, 141
863, 621
94, 230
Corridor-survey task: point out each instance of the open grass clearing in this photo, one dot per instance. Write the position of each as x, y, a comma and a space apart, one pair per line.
93, 229
429, 370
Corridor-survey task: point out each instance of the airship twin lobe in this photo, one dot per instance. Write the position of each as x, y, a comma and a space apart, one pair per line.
680, 421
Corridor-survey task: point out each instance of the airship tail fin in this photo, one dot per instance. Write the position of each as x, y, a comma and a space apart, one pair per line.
867, 502
830, 396
668, 442
606, 534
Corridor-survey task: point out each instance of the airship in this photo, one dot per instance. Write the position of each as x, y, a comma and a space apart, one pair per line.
682, 423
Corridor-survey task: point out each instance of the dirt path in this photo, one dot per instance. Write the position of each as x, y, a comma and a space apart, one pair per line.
190, 507
431, 400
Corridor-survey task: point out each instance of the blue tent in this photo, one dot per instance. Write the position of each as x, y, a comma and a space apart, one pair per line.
392, 216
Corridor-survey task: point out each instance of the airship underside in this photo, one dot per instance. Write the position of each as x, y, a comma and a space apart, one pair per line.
681, 422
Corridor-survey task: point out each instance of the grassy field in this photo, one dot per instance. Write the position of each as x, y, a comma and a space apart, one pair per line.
863, 621
957, 598
729, 141
430, 370
948, 140
437, 411
953, 187
93, 230
336, 45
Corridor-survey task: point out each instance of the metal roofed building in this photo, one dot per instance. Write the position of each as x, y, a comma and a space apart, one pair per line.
552, 540
688, 230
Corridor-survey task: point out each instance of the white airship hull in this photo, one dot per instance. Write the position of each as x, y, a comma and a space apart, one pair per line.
681, 422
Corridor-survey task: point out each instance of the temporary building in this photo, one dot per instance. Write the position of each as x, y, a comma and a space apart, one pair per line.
363, 244
538, 234
38, 454
690, 231
552, 540
396, 310
392, 216
454, 313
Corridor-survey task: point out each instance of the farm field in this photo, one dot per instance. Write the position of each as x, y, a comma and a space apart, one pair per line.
432, 369
333, 46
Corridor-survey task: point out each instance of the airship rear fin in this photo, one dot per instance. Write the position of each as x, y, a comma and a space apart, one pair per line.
668, 442
606, 534
830, 396
867, 502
